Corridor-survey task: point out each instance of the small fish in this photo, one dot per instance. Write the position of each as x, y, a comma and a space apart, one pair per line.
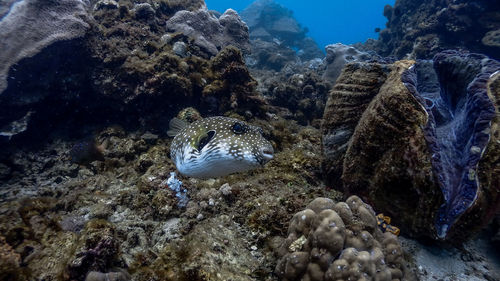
217, 146
86, 151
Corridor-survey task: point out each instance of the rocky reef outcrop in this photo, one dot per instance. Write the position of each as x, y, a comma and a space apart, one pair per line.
276, 36
421, 29
28, 26
300, 94
209, 33
131, 66
84, 159
423, 149
338, 55
339, 241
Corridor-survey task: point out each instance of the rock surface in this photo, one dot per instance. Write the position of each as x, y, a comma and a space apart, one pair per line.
209, 33
276, 36
338, 55
420, 29
111, 82
84, 153
108, 217
28, 26
300, 92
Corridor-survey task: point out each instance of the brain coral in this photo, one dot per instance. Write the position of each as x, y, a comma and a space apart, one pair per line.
425, 150
339, 241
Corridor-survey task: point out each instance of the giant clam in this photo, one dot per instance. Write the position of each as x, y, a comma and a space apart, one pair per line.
426, 148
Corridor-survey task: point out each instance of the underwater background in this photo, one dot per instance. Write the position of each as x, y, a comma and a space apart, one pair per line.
280, 140
328, 21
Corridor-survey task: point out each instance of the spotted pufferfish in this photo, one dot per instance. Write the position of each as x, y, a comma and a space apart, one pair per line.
217, 146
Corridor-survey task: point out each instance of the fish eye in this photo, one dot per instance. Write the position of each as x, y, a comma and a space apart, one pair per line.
239, 128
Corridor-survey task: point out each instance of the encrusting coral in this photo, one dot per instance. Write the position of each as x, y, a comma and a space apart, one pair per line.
339, 241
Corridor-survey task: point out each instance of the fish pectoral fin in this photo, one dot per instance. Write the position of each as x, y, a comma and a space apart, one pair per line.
175, 126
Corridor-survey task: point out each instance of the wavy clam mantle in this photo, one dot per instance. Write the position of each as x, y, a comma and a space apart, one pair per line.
426, 148
461, 112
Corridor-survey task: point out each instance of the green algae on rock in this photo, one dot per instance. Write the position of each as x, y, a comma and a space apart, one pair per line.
213, 250
95, 250
9, 262
128, 66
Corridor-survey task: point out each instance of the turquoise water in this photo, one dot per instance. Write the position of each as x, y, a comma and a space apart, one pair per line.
328, 21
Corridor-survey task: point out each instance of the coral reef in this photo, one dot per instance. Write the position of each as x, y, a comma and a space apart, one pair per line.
338, 55
28, 26
233, 88
339, 241
85, 155
208, 252
111, 276
268, 21
276, 35
189, 114
302, 95
396, 156
30, 227
210, 34
128, 66
96, 249
16, 127
270, 55
421, 29
88, 220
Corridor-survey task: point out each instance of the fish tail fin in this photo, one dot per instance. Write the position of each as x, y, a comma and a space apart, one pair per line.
175, 126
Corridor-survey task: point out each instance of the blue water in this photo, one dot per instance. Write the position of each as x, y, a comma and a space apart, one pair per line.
328, 21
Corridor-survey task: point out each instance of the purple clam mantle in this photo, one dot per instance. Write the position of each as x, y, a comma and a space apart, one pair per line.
453, 90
